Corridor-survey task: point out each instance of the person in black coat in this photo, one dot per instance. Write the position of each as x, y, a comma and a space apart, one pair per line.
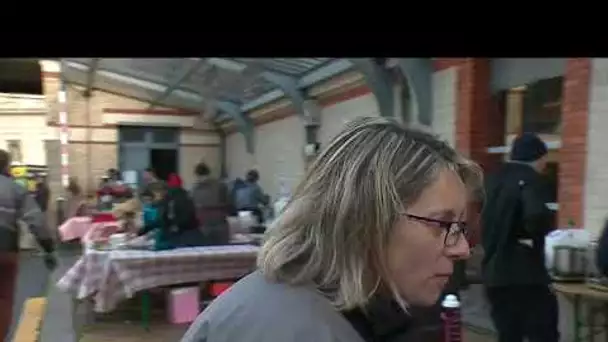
42, 193
515, 220
602, 252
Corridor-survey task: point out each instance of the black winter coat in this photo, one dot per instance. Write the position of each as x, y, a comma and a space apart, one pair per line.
515, 211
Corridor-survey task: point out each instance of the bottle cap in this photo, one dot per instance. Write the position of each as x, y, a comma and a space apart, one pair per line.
450, 301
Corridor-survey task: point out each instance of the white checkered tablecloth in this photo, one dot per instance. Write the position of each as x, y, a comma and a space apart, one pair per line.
110, 277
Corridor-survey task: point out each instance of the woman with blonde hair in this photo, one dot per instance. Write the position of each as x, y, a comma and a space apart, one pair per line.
378, 218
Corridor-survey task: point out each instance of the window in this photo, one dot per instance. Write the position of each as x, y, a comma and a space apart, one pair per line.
536, 107
164, 135
132, 134
542, 106
14, 149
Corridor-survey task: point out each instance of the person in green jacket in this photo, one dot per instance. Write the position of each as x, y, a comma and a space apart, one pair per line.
175, 224
152, 220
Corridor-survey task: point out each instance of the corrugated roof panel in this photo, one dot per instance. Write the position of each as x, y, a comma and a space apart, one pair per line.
160, 70
257, 89
290, 66
148, 78
112, 86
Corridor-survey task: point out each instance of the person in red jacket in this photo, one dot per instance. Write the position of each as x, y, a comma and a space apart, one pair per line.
174, 181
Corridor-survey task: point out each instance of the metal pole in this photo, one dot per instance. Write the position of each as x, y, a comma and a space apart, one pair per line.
63, 131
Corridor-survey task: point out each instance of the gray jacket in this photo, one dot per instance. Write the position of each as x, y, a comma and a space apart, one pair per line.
209, 193
256, 310
250, 196
16, 204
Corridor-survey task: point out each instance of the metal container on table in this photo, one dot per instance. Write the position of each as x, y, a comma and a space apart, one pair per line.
594, 276
592, 270
570, 262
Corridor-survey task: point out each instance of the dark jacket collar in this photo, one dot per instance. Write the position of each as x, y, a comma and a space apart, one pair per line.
382, 320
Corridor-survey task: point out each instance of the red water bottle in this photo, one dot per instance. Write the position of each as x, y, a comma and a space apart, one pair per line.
452, 324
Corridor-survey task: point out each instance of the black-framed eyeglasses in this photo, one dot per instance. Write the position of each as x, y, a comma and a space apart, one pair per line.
454, 229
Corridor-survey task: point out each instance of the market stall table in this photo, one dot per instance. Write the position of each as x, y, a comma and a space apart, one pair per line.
577, 293
108, 277
78, 227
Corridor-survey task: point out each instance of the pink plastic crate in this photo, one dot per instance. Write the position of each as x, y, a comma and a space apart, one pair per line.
183, 305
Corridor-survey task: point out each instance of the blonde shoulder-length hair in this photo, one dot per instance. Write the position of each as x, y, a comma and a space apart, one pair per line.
334, 231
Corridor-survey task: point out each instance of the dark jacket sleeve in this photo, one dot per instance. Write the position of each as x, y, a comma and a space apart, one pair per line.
538, 219
42, 196
602, 251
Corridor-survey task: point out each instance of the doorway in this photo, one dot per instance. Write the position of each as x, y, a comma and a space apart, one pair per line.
154, 147
163, 161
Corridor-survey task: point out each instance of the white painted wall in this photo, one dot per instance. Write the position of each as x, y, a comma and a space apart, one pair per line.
334, 117
444, 104
31, 130
279, 144
238, 161
595, 204
279, 156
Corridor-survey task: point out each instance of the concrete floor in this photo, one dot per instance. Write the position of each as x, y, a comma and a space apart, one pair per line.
162, 332
32, 282
57, 323
35, 280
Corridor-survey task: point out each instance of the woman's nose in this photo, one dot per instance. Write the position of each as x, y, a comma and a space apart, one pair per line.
461, 250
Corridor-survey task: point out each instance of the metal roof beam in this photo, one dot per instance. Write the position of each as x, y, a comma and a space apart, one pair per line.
419, 73
325, 72
243, 122
289, 86
115, 76
91, 77
378, 79
181, 79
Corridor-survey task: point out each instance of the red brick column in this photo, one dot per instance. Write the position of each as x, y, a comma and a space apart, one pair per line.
573, 153
479, 120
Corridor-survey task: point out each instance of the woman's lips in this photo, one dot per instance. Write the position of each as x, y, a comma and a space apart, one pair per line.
443, 279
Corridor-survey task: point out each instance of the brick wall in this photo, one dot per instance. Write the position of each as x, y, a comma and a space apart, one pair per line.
573, 153
53, 162
87, 159
93, 128
50, 88
479, 122
90, 160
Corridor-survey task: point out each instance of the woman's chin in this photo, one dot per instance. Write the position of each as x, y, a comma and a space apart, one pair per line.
425, 298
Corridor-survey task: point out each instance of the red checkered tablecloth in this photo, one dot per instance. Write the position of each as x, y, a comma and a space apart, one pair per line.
112, 276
